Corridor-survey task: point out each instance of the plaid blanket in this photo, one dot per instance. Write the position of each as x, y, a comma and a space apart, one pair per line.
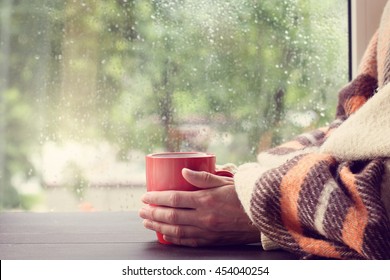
327, 193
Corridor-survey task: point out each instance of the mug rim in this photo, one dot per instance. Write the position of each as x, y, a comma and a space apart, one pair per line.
162, 155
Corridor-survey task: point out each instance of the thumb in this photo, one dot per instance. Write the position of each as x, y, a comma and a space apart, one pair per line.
205, 180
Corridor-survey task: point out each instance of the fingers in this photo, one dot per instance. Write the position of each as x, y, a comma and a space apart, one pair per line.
179, 226
177, 199
185, 199
203, 179
175, 231
190, 242
167, 215
180, 235
195, 237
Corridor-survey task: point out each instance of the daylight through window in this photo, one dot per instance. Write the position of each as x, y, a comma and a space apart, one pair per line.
88, 88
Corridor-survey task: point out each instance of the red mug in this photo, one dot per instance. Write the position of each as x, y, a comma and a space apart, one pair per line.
163, 172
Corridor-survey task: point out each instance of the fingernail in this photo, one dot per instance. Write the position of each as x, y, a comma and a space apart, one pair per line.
167, 238
145, 198
147, 224
184, 170
188, 171
142, 213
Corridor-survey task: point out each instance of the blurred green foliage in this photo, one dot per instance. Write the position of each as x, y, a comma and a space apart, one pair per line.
134, 71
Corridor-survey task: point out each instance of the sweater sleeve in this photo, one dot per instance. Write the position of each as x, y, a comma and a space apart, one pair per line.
248, 174
245, 179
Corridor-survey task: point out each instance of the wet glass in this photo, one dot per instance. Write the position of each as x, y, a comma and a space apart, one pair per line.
88, 88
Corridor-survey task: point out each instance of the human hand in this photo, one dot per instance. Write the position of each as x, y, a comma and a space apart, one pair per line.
212, 215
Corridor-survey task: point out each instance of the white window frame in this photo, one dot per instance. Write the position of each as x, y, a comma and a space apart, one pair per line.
365, 18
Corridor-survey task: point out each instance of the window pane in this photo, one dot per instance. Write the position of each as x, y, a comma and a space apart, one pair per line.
88, 88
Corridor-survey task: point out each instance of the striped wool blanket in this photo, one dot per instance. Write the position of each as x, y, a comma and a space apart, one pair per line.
327, 192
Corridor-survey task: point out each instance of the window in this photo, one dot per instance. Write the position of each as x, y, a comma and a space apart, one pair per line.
88, 88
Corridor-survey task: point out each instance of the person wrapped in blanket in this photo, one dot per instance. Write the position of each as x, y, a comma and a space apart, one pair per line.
323, 194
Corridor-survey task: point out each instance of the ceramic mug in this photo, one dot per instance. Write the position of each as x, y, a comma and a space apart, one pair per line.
164, 172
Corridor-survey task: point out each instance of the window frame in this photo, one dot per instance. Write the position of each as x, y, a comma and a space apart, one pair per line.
364, 20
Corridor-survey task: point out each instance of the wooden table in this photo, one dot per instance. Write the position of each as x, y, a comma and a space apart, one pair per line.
103, 235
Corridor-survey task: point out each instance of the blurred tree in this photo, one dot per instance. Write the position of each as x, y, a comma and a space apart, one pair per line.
142, 73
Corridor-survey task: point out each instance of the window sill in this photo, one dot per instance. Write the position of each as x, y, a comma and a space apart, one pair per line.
102, 236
